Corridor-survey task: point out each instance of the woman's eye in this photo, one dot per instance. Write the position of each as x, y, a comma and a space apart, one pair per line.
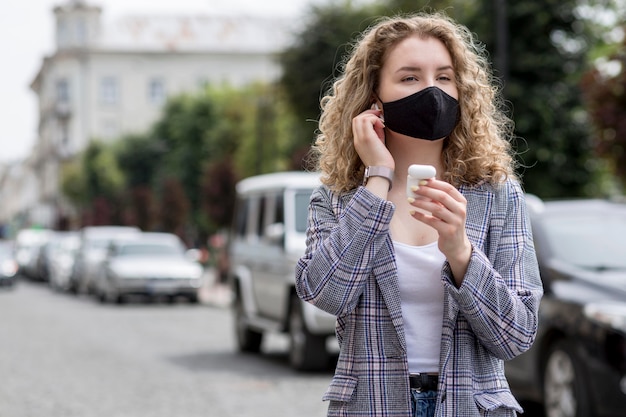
409, 78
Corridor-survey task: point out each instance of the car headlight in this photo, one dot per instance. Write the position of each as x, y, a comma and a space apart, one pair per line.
611, 314
9, 268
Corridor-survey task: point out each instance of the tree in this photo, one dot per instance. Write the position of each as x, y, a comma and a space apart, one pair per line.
94, 183
219, 194
311, 63
605, 93
220, 131
543, 87
174, 208
540, 75
140, 157
183, 129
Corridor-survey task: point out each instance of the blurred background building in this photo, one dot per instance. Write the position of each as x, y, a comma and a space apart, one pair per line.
110, 78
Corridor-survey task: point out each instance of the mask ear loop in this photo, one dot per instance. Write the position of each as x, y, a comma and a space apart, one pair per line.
376, 107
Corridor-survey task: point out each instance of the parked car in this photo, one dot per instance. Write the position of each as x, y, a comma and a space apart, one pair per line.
267, 239
61, 252
28, 243
149, 264
94, 241
577, 365
8, 265
47, 253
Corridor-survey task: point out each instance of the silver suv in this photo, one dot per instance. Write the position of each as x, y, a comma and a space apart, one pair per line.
267, 239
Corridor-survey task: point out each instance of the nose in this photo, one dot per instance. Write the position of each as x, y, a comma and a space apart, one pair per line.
430, 82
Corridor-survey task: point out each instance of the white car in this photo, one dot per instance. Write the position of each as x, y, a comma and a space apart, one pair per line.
61, 251
267, 239
28, 243
149, 264
94, 241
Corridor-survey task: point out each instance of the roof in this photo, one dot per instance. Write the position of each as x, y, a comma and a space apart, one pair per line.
563, 207
291, 179
228, 34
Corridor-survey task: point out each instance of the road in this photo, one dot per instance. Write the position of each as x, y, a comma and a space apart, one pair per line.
68, 356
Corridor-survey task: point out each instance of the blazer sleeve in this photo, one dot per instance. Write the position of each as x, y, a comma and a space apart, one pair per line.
342, 243
501, 291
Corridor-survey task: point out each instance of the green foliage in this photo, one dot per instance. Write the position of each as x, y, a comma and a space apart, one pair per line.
252, 127
174, 207
140, 158
540, 50
183, 130
103, 178
180, 175
547, 48
219, 194
73, 182
541, 83
605, 92
310, 65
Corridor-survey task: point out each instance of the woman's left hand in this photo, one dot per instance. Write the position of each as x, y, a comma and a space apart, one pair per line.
443, 208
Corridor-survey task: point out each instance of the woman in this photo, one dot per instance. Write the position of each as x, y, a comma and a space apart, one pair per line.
433, 291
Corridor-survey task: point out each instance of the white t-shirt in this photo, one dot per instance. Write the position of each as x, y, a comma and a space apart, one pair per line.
421, 295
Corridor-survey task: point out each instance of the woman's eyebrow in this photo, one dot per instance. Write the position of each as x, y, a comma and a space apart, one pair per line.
419, 69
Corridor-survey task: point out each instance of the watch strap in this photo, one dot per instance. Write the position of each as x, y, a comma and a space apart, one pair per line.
378, 171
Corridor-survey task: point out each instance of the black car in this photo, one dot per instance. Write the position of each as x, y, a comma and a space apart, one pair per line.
577, 365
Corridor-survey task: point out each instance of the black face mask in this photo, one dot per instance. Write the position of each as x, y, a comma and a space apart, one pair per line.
428, 114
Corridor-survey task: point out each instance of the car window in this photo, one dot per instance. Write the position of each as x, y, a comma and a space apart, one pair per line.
241, 217
302, 209
260, 218
98, 243
594, 240
275, 212
6, 252
148, 249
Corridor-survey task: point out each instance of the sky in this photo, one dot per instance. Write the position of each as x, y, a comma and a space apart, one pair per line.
27, 36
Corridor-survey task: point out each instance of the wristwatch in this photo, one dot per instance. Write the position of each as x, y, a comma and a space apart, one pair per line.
378, 171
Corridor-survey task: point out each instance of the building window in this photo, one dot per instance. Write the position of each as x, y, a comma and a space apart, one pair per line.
62, 91
109, 93
81, 32
63, 37
156, 91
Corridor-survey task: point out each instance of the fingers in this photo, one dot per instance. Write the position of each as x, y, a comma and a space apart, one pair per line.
369, 139
442, 200
439, 190
367, 123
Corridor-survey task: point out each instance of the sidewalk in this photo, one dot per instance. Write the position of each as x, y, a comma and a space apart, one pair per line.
213, 293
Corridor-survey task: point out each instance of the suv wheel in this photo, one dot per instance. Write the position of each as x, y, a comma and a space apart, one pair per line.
307, 352
248, 340
564, 394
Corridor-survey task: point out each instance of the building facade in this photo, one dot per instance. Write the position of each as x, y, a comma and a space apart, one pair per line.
111, 78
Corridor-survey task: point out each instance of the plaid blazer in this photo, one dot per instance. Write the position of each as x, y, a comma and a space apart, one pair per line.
349, 270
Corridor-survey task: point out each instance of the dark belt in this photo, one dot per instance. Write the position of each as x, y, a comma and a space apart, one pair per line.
423, 382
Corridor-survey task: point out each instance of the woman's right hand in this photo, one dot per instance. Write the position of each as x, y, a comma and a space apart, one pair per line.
368, 130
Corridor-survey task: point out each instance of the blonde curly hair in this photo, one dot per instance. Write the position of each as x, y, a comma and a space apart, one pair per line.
478, 150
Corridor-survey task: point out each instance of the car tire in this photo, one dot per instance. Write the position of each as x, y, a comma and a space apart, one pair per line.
564, 391
101, 296
248, 340
307, 351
